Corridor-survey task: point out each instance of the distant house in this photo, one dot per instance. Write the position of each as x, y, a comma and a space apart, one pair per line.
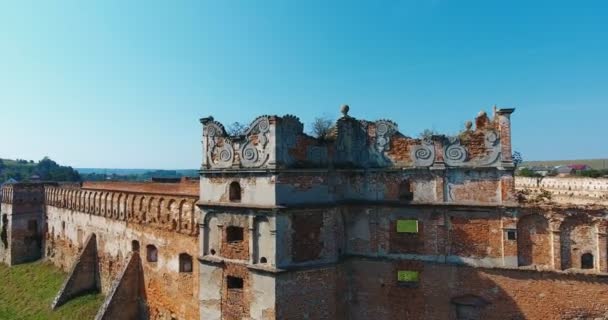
571, 169
543, 171
579, 167
564, 170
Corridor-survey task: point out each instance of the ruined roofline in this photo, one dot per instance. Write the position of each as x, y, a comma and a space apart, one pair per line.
272, 141
481, 121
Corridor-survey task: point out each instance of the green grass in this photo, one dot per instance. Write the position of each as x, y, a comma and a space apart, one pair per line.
593, 163
27, 290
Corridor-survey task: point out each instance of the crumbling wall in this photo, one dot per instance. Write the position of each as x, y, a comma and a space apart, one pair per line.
375, 292
121, 226
186, 187
83, 276
126, 299
567, 190
311, 294
534, 241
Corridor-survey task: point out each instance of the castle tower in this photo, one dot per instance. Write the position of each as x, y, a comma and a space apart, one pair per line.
286, 218
21, 222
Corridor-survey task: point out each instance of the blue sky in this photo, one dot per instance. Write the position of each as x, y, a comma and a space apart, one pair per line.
123, 83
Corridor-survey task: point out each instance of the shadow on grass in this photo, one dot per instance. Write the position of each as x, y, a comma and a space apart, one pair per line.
27, 291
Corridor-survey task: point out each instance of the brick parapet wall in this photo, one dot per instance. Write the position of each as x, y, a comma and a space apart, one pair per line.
168, 212
567, 190
169, 292
186, 187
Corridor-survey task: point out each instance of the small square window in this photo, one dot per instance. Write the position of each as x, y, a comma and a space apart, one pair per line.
407, 226
511, 235
408, 276
234, 234
234, 282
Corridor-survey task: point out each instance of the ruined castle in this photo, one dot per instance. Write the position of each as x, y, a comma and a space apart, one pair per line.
365, 224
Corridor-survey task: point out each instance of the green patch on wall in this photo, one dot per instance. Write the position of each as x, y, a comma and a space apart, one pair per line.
407, 226
408, 276
27, 290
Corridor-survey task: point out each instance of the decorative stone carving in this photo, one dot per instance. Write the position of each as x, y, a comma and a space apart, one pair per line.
424, 153
220, 152
455, 154
384, 130
254, 153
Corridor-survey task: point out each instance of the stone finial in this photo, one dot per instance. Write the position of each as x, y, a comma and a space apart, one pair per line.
345, 108
468, 125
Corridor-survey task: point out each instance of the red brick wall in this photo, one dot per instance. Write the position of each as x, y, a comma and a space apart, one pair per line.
306, 236
311, 294
533, 241
235, 302
185, 187
406, 242
512, 294
236, 249
470, 236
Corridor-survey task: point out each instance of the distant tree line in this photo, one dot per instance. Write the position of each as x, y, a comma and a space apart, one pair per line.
44, 170
146, 176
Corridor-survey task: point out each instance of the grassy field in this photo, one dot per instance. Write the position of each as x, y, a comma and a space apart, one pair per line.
593, 163
26, 292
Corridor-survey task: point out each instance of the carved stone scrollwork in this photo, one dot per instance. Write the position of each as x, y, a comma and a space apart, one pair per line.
491, 143
220, 153
384, 130
424, 154
255, 154
455, 153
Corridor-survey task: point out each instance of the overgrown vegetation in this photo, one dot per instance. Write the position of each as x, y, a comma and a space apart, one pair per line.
27, 290
592, 173
526, 196
525, 172
237, 129
322, 128
45, 169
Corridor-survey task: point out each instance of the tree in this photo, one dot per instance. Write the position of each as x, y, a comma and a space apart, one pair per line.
322, 128
517, 158
427, 134
237, 129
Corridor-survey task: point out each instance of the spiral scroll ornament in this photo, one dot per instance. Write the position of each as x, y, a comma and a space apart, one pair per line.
491, 138
249, 154
455, 154
381, 129
225, 155
424, 154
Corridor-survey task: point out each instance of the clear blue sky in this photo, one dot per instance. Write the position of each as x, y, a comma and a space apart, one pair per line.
123, 83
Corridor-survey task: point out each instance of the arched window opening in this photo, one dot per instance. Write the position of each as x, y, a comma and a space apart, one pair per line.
135, 246
235, 192
587, 261
263, 260
185, 262
234, 234
406, 192
151, 253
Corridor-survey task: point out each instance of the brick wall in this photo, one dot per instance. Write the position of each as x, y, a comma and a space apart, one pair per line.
184, 187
